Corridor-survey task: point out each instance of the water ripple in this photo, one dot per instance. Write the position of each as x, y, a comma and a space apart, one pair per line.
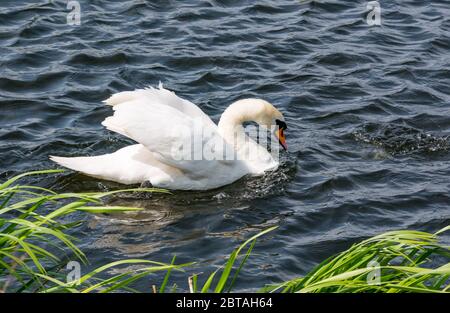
367, 109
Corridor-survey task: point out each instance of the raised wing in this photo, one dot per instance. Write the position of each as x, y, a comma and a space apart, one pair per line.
175, 130
162, 97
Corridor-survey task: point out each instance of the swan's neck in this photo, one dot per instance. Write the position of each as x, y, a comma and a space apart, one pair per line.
247, 110
231, 128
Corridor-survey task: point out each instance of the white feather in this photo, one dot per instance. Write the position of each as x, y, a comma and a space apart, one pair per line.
161, 122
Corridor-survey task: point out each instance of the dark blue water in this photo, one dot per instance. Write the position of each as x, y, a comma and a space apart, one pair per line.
368, 111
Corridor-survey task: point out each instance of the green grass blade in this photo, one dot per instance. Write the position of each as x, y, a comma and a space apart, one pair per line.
166, 278
16, 178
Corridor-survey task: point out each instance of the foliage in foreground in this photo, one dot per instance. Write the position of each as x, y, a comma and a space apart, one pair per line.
32, 242
396, 261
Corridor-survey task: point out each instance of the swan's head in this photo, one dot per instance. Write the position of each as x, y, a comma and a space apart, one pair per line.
279, 132
269, 117
256, 110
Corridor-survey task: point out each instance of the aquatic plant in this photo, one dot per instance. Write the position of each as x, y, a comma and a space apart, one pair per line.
34, 235
31, 234
393, 262
396, 261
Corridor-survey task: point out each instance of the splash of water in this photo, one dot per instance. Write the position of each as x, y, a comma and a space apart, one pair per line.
401, 140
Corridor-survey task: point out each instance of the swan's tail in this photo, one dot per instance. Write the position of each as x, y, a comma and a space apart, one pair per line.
91, 166
129, 165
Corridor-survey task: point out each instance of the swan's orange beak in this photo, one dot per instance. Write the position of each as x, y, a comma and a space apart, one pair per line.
281, 138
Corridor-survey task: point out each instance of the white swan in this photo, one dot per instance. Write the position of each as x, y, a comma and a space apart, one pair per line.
162, 123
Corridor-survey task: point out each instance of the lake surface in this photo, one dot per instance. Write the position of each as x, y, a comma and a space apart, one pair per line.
367, 108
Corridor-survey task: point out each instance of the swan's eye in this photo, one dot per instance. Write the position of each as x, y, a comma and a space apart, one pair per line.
281, 124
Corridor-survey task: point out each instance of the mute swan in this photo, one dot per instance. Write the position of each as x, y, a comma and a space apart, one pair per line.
162, 123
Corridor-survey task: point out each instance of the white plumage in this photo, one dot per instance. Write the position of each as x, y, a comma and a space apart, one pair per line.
161, 122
